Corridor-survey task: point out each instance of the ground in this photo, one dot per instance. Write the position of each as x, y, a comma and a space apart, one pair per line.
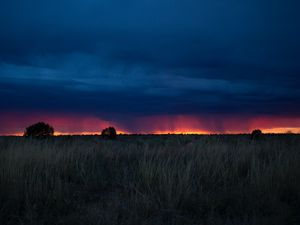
150, 180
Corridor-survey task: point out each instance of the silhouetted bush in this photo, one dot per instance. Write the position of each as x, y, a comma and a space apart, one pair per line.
39, 129
256, 134
109, 133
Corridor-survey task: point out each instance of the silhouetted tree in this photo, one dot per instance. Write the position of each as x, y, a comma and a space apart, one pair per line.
256, 134
39, 129
109, 133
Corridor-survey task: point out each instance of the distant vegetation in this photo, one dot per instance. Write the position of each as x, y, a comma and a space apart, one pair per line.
256, 134
42, 129
150, 180
109, 133
39, 129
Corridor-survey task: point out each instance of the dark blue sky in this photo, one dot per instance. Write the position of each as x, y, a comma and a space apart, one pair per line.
121, 60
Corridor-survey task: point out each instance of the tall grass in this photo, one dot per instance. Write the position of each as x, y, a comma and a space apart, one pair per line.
219, 179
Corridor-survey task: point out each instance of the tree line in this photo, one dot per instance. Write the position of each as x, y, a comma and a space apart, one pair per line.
42, 129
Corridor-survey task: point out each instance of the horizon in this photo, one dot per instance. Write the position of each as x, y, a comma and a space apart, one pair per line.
76, 124
57, 134
277, 130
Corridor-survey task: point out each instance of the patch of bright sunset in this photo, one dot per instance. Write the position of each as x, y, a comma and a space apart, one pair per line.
163, 124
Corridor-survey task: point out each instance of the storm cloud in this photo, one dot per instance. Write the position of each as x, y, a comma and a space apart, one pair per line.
124, 60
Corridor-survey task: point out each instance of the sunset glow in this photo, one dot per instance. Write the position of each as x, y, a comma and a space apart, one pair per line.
14, 124
204, 67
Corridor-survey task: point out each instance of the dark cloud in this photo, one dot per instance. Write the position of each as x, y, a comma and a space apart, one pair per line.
133, 58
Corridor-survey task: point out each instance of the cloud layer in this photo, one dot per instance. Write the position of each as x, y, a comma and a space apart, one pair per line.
122, 61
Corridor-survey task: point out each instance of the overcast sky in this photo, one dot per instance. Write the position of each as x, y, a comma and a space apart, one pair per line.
126, 61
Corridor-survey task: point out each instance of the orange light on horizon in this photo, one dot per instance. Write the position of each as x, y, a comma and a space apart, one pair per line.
18, 134
282, 130
57, 133
181, 132
279, 130
14, 124
84, 133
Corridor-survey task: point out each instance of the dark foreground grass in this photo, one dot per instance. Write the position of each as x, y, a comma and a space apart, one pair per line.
153, 180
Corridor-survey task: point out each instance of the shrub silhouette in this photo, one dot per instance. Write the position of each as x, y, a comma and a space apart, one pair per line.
256, 134
109, 133
39, 129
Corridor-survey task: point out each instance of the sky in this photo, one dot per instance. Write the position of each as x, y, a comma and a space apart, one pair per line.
150, 66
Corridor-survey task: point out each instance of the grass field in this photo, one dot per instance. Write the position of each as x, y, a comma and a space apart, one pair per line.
150, 179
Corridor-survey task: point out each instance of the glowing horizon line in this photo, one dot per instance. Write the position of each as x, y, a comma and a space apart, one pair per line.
277, 130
